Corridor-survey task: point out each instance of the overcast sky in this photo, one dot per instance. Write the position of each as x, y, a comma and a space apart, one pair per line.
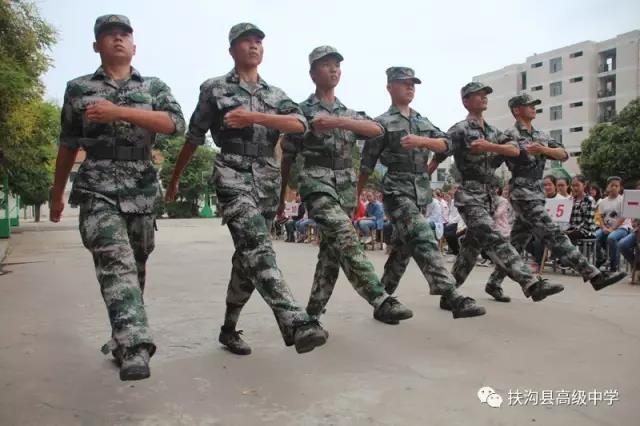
446, 42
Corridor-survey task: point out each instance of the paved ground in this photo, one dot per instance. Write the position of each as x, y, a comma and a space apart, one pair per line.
424, 371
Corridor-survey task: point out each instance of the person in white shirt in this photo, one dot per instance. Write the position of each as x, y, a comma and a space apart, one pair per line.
614, 227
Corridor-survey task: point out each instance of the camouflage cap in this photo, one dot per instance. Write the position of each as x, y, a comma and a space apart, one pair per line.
322, 51
105, 22
402, 73
241, 29
523, 99
473, 87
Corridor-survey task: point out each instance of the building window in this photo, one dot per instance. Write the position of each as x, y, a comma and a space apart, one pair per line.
575, 129
555, 65
536, 65
555, 89
442, 174
536, 88
555, 113
575, 105
539, 111
557, 135
576, 54
575, 80
523, 80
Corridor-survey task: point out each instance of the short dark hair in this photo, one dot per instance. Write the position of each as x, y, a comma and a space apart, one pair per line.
581, 178
552, 178
612, 178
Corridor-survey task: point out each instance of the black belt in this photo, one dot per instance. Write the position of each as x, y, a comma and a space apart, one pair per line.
328, 162
248, 149
118, 153
407, 168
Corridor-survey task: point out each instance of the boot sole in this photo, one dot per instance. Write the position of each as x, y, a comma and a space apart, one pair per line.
135, 373
614, 279
309, 343
545, 295
502, 300
479, 311
237, 352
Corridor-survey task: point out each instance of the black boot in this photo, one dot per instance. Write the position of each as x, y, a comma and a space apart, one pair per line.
605, 279
497, 293
233, 342
543, 288
392, 312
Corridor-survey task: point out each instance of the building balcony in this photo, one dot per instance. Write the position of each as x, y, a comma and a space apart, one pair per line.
606, 93
606, 117
602, 68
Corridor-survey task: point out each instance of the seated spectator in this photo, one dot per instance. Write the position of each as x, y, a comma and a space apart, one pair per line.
582, 224
374, 217
297, 213
613, 227
434, 217
361, 208
562, 187
455, 225
504, 216
549, 185
595, 192
628, 245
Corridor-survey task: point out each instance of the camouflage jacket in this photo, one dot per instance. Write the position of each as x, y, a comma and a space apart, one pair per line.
131, 185
406, 174
527, 169
259, 174
477, 171
334, 144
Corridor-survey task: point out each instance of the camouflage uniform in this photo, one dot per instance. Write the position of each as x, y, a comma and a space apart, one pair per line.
327, 186
528, 202
406, 189
247, 180
118, 192
476, 200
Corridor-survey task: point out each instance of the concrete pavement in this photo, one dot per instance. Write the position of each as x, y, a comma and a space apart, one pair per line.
425, 371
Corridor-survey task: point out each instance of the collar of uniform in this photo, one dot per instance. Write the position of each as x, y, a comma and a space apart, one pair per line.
233, 77
522, 129
476, 124
313, 100
395, 110
100, 74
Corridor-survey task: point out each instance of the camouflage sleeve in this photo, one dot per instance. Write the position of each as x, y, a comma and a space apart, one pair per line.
455, 137
163, 100
70, 122
506, 138
287, 107
291, 146
436, 133
202, 118
371, 152
552, 143
361, 115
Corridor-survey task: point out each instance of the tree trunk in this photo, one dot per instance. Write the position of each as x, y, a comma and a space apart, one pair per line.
36, 215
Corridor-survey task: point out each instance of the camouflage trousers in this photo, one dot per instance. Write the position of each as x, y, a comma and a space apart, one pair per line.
120, 244
482, 235
533, 220
413, 237
339, 247
254, 263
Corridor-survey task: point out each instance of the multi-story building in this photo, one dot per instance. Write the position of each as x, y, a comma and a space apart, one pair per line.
579, 85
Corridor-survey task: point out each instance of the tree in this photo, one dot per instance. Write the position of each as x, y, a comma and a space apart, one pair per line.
24, 39
33, 179
194, 180
614, 148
